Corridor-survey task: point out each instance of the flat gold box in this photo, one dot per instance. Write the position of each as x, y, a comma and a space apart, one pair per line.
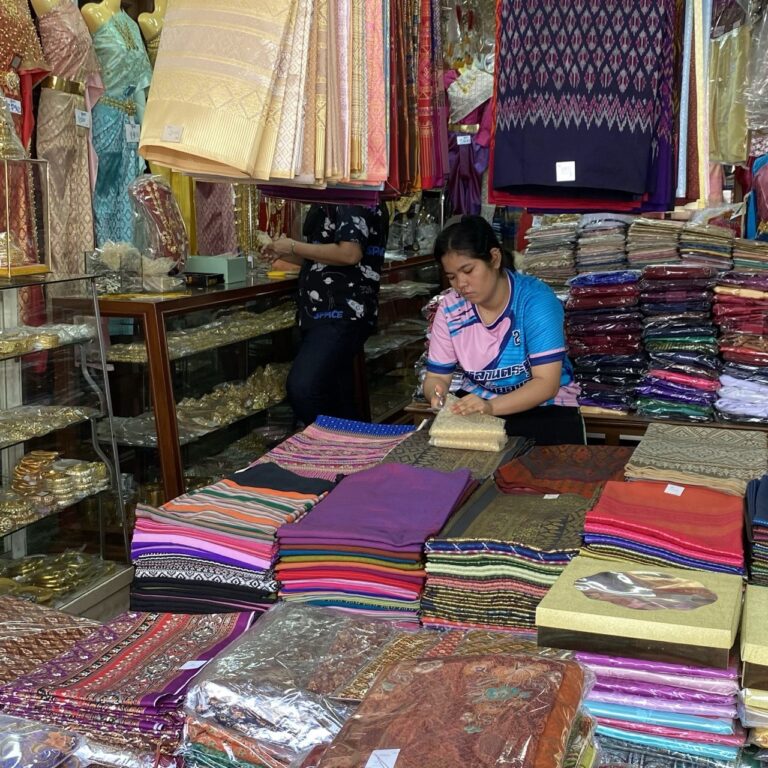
754, 638
702, 635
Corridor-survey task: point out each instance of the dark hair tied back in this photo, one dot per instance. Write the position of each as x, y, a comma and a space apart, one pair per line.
472, 236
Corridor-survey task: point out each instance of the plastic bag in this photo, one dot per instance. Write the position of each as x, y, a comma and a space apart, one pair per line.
160, 230
24, 744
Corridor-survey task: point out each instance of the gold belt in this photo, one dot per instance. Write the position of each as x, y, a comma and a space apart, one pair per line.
129, 107
57, 83
469, 128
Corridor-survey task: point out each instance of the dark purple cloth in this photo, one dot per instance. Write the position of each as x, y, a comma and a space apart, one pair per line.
390, 504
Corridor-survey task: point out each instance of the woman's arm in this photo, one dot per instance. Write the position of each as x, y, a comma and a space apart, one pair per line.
345, 254
436, 387
543, 385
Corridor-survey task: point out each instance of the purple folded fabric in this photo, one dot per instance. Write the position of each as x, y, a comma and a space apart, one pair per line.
625, 667
683, 707
659, 690
390, 504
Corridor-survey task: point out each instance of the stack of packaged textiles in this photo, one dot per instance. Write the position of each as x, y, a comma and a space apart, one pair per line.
741, 312
494, 561
681, 715
750, 255
580, 469
122, 688
330, 447
719, 459
476, 431
24, 744
686, 527
707, 245
214, 549
653, 241
602, 243
550, 250
756, 500
361, 547
281, 693
603, 329
680, 337
524, 715
753, 697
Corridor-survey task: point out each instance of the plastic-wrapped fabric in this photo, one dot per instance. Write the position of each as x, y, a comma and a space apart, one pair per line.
664, 308
619, 753
718, 726
747, 372
669, 732
673, 332
701, 347
606, 278
664, 409
695, 382
675, 284
606, 315
598, 302
738, 410
523, 717
759, 736
701, 709
672, 296
606, 400
613, 326
757, 280
682, 395
622, 289
694, 748
575, 348
678, 271
692, 359
24, 744
666, 693
596, 362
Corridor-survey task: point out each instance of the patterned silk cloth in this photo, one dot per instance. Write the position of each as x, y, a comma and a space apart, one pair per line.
492, 709
63, 141
122, 686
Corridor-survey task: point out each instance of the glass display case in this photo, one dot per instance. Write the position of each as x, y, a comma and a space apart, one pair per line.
198, 380
62, 521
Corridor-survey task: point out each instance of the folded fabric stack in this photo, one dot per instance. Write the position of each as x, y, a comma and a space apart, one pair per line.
361, 547
653, 241
749, 255
477, 431
580, 469
123, 686
679, 334
741, 313
603, 329
720, 459
330, 447
214, 549
550, 251
756, 500
753, 697
417, 452
671, 525
494, 561
493, 710
707, 245
602, 243
285, 688
656, 713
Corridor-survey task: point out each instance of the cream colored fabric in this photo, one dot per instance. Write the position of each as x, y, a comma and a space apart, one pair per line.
478, 432
213, 86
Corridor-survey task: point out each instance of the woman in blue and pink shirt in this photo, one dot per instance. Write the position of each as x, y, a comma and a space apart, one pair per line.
505, 331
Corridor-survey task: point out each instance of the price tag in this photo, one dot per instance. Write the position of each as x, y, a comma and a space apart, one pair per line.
565, 171
196, 664
132, 132
551, 495
382, 758
463, 140
82, 118
172, 133
674, 490
14, 105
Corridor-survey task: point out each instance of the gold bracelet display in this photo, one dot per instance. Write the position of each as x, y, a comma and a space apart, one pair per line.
239, 326
57, 83
28, 421
26, 338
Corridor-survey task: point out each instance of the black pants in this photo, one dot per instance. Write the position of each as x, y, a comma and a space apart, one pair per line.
321, 381
549, 425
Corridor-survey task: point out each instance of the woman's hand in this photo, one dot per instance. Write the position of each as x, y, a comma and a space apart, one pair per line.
473, 404
438, 398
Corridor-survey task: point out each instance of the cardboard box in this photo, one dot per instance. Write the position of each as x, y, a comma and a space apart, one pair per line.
754, 638
702, 634
231, 265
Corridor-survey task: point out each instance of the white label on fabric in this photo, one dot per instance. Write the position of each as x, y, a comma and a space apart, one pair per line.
172, 133
565, 171
82, 118
463, 140
674, 490
132, 133
551, 495
14, 105
382, 758
196, 664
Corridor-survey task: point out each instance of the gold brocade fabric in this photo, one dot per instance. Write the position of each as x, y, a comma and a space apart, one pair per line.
477, 431
210, 115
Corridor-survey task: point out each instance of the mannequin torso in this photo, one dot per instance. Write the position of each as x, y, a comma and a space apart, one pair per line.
45, 6
152, 23
98, 14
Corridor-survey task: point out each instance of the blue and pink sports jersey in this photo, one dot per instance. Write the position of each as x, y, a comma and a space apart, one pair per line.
498, 358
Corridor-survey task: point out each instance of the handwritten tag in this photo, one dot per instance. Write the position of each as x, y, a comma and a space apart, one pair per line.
565, 171
172, 133
82, 118
551, 495
132, 133
463, 140
674, 490
14, 105
196, 664
382, 758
